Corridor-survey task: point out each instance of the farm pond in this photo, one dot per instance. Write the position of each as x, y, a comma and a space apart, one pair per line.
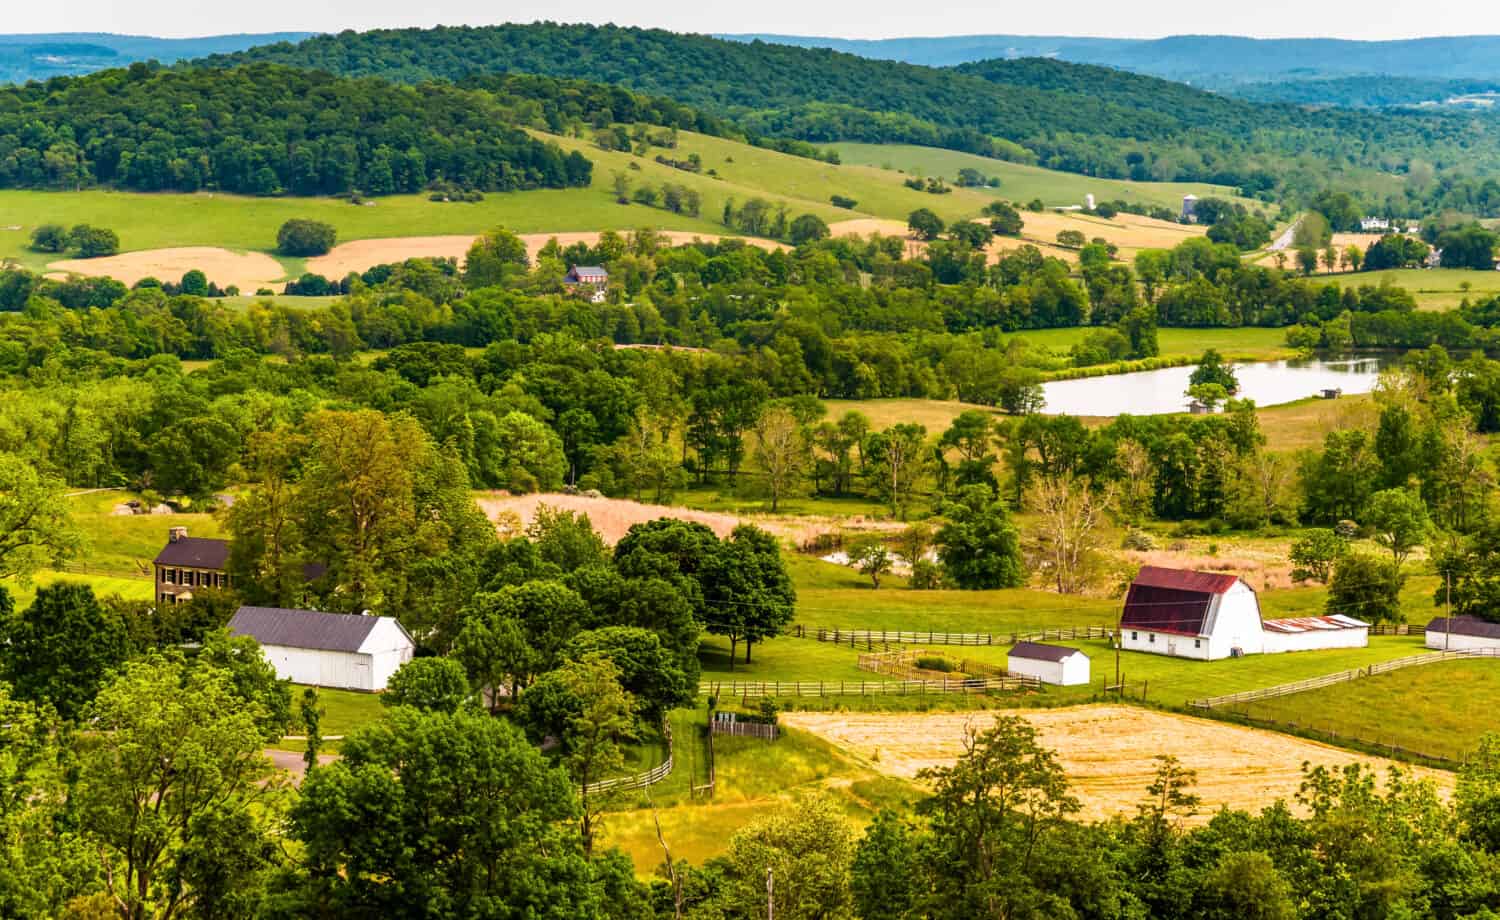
1162, 391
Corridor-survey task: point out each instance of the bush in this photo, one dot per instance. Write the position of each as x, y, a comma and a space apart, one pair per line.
1138, 540
298, 237
841, 201
936, 663
926, 575
49, 238
93, 242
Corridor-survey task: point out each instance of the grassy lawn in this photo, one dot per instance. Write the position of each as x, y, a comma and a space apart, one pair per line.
1435, 288
1245, 343
124, 545
1020, 182
343, 712
1439, 709
753, 777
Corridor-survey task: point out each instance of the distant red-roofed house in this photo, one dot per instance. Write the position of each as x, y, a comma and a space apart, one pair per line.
1212, 615
588, 280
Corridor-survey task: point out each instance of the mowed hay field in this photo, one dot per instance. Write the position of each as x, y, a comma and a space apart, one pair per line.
1020, 182
1107, 751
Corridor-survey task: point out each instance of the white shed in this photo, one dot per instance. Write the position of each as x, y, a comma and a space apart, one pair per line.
1203, 615
347, 651
1050, 664
1462, 633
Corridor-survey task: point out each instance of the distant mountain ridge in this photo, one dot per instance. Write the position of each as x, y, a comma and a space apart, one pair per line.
1211, 61
57, 54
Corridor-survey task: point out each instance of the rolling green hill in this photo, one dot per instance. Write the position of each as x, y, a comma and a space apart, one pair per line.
1081, 119
1019, 181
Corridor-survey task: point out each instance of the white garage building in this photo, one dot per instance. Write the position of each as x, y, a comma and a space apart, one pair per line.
1050, 664
341, 650
1213, 615
1462, 633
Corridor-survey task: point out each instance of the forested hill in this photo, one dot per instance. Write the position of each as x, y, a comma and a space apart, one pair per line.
1077, 118
267, 129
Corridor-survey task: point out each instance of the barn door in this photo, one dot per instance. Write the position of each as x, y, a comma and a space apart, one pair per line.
1171, 646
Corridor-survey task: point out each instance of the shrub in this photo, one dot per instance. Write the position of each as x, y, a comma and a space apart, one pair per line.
841, 201
49, 238
1138, 540
298, 237
936, 663
926, 575
93, 242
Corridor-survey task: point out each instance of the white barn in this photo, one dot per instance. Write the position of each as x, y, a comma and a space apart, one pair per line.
1462, 633
1050, 664
346, 651
1211, 615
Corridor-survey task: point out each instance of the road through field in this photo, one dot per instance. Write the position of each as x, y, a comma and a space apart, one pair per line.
1107, 751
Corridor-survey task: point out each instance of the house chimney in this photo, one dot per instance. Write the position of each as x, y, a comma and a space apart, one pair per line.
176, 533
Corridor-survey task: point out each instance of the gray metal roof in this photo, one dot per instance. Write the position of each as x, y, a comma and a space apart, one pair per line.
1466, 626
333, 632
1036, 651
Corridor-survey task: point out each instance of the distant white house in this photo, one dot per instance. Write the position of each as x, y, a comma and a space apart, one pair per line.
1212, 615
1374, 224
346, 651
1462, 633
1050, 664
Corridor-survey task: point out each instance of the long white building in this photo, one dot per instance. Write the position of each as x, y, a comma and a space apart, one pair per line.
1213, 615
347, 651
1462, 633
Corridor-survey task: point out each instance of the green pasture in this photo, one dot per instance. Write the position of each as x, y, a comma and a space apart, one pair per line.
1021, 182
124, 545
1438, 709
1434, 288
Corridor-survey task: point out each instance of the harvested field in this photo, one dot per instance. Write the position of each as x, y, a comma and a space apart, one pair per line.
246, 270
362, 255
864, 226
612, 517
1107, 751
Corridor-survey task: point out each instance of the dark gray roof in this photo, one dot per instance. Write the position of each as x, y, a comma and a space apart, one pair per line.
334, 632
1036, 651
1466, 626
195, 553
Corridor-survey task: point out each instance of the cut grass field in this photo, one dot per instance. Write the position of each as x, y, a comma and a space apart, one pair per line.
1020, 182
1436, 288
1437, 709
124, 545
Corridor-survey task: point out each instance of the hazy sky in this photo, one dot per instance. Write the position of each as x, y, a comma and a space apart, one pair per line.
1374, 19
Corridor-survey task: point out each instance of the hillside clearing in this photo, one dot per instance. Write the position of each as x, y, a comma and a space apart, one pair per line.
248, 271
1107, 751
1021, 182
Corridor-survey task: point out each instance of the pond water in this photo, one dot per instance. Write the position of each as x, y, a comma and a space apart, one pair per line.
1158, 392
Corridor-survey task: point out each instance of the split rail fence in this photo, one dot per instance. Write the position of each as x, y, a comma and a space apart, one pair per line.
729, 689
641, 780
1327, 680
870, 639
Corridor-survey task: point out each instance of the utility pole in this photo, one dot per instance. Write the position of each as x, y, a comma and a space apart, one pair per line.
770, 891
1447, 610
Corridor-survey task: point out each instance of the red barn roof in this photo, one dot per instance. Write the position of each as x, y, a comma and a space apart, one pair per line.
1173, 600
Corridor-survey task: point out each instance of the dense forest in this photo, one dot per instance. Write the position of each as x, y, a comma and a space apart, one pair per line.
267, 130
1081, 119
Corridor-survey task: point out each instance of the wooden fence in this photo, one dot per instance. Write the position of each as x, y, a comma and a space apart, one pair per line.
871, 638
641, 780
1313, 683
725, 723
810, 688
1396, 629
707, 789
1329, 736
903, 664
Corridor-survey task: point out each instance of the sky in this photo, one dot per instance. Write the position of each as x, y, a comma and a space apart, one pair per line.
1375, 19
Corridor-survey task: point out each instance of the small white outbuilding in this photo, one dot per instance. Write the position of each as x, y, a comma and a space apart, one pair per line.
341, 650
1462, 633
1050, 664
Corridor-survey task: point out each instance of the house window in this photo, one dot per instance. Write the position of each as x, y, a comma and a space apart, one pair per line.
1134, 635
1197, 643
1151, 637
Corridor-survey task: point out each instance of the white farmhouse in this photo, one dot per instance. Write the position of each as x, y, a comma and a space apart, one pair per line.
1211, 615
347, 651
1460, 633
1050, 664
